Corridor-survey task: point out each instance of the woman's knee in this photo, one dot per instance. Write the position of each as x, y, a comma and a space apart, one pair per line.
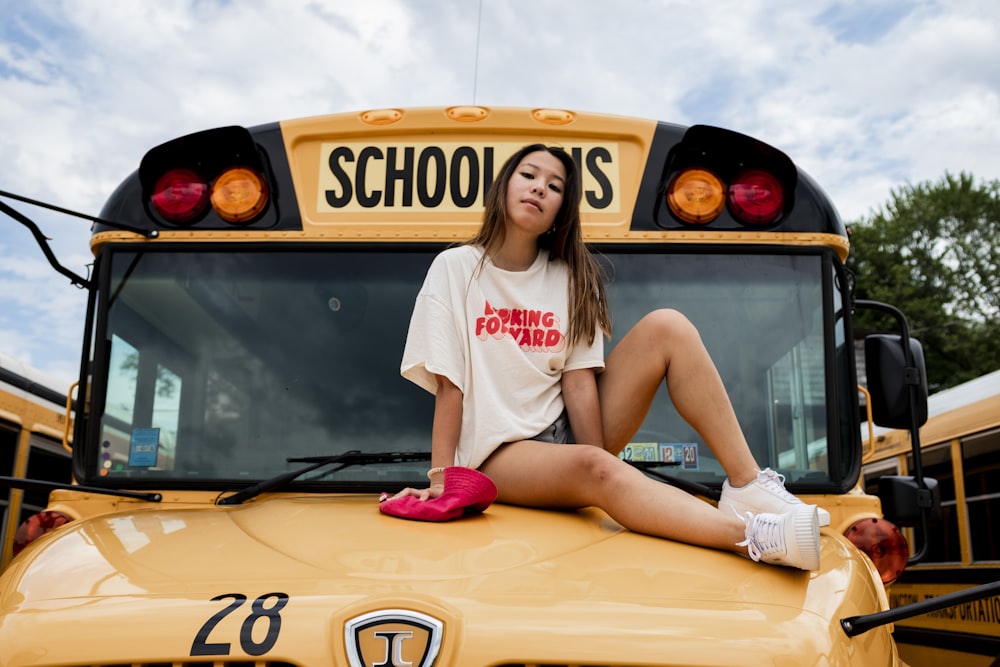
668, 324
596, 466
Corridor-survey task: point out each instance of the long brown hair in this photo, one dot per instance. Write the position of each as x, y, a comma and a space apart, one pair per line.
588, 303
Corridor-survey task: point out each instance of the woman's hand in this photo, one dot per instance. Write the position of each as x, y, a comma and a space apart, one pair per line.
467, 491
433, 491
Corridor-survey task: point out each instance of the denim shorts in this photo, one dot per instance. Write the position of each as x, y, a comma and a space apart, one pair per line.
559, 432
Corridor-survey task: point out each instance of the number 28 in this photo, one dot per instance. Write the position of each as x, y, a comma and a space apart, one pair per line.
267, 607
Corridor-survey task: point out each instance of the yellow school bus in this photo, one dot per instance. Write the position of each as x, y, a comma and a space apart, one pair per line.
34, 422
241, 409
960, 447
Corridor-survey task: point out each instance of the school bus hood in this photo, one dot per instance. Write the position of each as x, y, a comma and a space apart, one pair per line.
509, 572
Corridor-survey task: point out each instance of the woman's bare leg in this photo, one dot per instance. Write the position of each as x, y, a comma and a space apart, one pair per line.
537, 474
665, 345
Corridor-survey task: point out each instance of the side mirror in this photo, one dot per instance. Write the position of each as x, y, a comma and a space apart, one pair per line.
890, 379
904, 501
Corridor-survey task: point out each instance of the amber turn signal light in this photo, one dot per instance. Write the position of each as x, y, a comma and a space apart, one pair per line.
239, 195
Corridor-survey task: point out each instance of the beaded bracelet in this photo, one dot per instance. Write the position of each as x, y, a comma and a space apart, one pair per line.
434, 471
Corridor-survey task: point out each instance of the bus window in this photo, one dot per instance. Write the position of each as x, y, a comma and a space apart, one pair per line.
140, 429
797, 397
47, 461
122, 381
284, 354
166, 412
981, 463
944, 547
873, 471
761, 317
258, 356
8, 450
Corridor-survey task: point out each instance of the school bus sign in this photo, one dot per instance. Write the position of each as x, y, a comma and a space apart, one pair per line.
442, 176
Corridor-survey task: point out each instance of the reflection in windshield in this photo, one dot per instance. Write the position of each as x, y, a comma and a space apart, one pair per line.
761, 318
230, 363
222, 365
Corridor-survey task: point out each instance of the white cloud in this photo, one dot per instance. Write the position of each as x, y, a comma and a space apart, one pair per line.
864, 95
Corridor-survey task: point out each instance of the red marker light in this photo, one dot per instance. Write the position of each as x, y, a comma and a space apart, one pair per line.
180, 196
756, 197
36, 526
883, 543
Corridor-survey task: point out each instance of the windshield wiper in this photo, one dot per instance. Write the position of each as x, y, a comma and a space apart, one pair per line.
346, 460
42, 485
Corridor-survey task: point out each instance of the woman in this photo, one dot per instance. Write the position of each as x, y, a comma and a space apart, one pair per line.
507, 333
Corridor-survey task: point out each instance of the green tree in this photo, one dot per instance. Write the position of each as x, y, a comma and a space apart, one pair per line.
933, 251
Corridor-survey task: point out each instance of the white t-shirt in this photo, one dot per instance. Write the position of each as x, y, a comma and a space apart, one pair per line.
500, 337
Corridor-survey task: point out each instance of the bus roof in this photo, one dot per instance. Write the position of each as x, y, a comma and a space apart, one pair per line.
963, 394
952, 413
19, 378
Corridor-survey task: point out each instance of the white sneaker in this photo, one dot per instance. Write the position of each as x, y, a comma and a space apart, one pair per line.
765, 494
790, 539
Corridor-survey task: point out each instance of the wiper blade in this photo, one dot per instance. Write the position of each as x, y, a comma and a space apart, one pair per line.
359, 458
346, 460
42, 485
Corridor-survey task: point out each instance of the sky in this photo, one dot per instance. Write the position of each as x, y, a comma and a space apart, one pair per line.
866, 96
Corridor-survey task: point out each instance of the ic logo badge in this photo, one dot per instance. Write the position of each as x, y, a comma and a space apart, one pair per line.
393, 638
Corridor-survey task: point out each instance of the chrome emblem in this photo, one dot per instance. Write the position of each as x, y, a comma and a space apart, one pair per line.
393, 638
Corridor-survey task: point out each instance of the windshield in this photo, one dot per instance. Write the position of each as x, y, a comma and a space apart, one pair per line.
219, 366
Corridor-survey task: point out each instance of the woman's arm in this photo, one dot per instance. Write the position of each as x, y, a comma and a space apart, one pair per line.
447, 424
579, 390
444, 438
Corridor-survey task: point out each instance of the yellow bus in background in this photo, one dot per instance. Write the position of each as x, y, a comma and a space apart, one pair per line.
33, 426
243, 410
960, 449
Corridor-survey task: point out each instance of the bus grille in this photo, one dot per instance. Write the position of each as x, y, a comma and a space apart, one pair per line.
264, 663
199, 663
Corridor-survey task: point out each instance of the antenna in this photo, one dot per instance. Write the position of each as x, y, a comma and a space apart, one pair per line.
479, 31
